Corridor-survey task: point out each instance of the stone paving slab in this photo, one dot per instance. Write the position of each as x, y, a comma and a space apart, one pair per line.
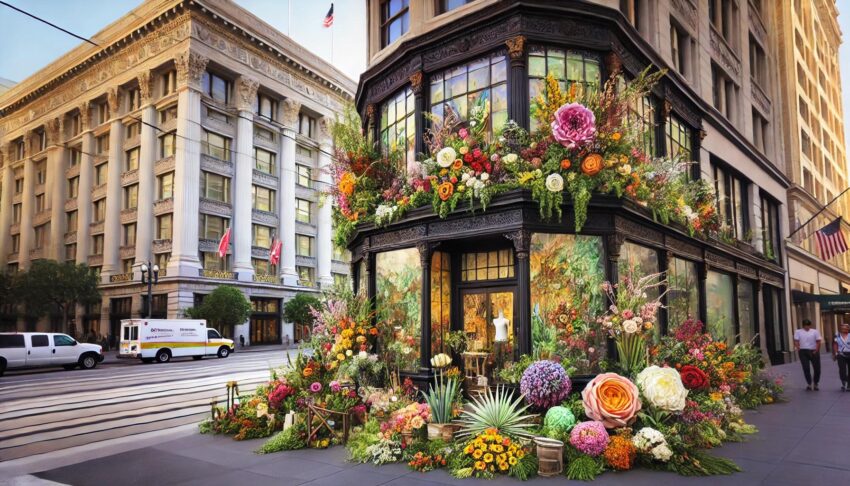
805, 440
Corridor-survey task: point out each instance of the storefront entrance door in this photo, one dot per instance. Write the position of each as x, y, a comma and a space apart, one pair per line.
265, 330
480, 308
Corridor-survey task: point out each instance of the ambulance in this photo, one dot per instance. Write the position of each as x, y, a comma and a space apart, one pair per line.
162, 339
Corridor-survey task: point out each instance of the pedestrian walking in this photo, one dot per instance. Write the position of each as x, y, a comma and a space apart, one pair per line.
841, 353
807, 343
241, 341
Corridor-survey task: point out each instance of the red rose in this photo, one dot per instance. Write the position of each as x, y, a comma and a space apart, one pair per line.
476, 153
467, 158
693, 378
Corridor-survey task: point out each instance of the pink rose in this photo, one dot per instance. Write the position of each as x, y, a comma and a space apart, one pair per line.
574, 125
611, 399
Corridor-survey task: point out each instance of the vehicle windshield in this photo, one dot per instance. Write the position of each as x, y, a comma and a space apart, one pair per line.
213, 334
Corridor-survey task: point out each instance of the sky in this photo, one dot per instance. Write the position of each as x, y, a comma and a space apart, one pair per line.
27, 45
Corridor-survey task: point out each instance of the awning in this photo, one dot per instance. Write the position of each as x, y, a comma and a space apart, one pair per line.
828, 302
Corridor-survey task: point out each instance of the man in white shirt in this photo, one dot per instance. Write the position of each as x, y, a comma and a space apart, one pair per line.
807, 343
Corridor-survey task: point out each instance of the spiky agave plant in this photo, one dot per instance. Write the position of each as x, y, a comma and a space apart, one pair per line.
496, 410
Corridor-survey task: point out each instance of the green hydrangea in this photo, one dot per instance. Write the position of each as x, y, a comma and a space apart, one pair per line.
559, 420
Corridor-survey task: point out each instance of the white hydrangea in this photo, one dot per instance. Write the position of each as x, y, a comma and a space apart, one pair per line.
384, 213
652, 442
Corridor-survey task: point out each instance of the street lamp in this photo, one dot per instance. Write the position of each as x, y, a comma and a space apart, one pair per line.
150, 276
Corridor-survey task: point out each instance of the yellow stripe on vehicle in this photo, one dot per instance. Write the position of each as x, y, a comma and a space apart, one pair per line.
158, 345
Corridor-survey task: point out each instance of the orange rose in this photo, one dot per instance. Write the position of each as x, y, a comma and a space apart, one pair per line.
592, 164
611, 399
457, 164
565, 164
445, 190
346, 183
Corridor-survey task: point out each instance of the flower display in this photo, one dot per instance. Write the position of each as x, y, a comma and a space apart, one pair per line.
651, 442
441, 360
545, 384
315, 387
491, 453
555, 183
693, 378
663, 388
446, 157
592, 164
560, 420
406, 420
590, 438
279, 394
611, 399
620, 454
574, 125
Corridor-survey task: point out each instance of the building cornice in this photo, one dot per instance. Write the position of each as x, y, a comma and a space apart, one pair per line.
798, 253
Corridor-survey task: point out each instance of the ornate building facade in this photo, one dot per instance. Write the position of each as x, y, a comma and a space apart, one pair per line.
816, 155
189, 118
716, 106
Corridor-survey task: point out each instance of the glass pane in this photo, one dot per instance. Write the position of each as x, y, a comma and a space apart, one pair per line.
399, 288
499, 71
537, 66
440, 301
567, 272
499, 100
479, 78
639, 261
683, 292
746, 311
555, 66
721, 318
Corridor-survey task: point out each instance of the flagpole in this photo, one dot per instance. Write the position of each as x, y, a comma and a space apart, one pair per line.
816, 214
289, 19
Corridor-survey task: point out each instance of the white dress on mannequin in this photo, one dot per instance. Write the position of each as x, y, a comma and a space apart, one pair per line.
501, 325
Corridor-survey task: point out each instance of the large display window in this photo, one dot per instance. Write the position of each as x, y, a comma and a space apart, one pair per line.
483, 82
398, 282
638, 261
682, 292
720, 300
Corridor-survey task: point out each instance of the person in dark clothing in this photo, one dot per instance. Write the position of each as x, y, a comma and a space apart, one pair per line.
807, 343
241, 341
841, 353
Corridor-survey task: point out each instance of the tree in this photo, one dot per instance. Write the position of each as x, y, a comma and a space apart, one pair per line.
9, 290
297, 309
49, 286
225, 307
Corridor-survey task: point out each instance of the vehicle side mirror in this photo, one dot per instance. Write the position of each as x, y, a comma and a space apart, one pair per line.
75, 343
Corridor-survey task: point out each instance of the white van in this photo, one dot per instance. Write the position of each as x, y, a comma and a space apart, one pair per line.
39, 349
163, 339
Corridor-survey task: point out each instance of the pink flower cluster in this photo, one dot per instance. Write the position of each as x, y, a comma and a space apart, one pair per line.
590, 438
574, 126
280, 393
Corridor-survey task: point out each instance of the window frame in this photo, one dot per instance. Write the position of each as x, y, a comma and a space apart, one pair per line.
388, 18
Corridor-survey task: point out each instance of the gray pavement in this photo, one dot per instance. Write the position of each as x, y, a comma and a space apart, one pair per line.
805, 440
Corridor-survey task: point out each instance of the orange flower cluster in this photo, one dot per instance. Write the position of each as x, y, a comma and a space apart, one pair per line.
592, 164
620, 453
346, 183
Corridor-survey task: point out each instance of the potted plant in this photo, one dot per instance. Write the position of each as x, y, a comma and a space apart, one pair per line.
441, 399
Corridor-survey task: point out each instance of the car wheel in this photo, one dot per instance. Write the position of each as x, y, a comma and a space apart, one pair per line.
88, 361
223, 352
70, 367
163, 356
2, 366
197, 358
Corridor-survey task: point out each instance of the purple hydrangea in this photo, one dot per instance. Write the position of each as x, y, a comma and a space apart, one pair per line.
545, 384
590, 438
574, 125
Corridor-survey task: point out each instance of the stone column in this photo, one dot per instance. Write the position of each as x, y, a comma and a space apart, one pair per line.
522, 246
5, 203
27, 203
324, 242
518, 109
187, 167
246, 94
286, 192
84, 194
147, 159
115, 166
56, 163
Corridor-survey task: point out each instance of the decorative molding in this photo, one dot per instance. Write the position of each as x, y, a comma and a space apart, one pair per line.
113, 98
41, 218
521, 240
146, 90
15, 228
771, 279
324, 125
129, 177
190, 67
264, 217
398, 237
370, 114
219, 122
516, 47
687, 11
99, 192
614, 243
627, 58
259, 252
212, 164
680, 247
70, 204
70, 237
719, 261
53, 129
760, 98
121, 277
215, 207
85, 115
96, 228
272, 279
128, 215
416, 82
36, 253
207, 245
757, 25
161, 246
723, 53
392, 79
613, 63
637, 231
218, 274
746, 270
163, 206
492, 222
164, 165
72, 171
260, 177
95, 260
682, 107
12, 257
127, 251
291, 110
246, 88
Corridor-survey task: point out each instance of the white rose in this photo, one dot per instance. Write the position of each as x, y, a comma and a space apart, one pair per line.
510, 158
630, 326
555, 183
484, 176
662, 453
465, 177
663, 388
446, 157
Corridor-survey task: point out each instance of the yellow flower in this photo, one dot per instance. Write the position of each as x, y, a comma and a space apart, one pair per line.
488, 458
477, 454
520, 454
525, 177
340, 357
503, 466
494, 447
464, 150
468, 449
512, 461
716, 396
480, 465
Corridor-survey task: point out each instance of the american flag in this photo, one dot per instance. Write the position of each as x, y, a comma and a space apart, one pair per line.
274, 253
224, 243
831, 240
329, 18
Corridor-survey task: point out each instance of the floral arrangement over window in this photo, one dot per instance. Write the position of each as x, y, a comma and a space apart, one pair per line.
586, 144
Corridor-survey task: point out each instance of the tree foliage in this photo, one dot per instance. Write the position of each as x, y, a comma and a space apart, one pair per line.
225, 307
297, 309
50, 287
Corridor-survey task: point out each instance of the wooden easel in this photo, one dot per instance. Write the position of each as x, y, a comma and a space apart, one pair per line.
324, 415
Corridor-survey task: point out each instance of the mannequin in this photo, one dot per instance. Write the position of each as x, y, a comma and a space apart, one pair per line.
501, 325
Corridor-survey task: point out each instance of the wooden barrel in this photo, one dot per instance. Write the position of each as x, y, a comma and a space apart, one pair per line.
550, 456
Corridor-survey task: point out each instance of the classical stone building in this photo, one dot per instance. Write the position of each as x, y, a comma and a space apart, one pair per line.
816, 156
188, 118
718, 106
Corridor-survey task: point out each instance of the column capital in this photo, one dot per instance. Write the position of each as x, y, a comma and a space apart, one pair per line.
247, 93
522, 242
190, 68
85, 115
291, 110
516, 47
145, 79
53, 128
114, 101
325, 136
416, 83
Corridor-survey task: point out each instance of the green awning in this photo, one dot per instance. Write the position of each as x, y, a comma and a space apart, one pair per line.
828, 302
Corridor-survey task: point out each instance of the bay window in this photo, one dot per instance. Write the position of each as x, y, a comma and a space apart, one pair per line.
731, 196
398, 124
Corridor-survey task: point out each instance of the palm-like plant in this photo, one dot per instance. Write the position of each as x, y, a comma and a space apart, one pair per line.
496, 410
440, 398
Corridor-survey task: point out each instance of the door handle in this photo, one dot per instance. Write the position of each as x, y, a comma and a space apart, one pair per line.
29, 352
54, 351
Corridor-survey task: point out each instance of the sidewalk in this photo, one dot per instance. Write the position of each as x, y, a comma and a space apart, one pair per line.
805, 440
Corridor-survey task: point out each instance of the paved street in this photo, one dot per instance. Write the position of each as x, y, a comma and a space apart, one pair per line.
803, 441
49, 410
